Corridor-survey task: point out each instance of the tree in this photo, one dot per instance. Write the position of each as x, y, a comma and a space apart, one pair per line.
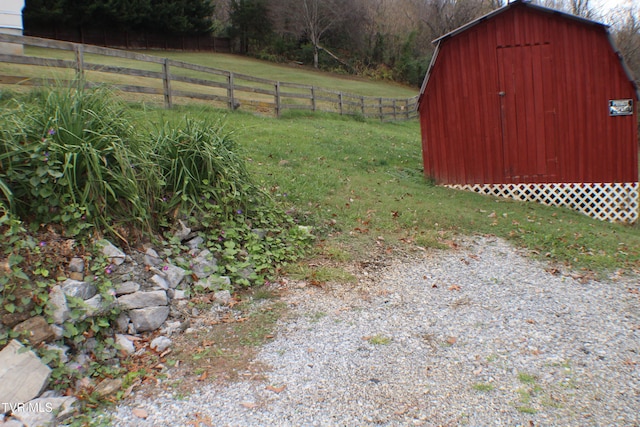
312, 19
627, 38
170, 16
249, 22
580, 8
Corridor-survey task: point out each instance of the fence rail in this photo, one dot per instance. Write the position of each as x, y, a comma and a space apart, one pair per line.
177, 80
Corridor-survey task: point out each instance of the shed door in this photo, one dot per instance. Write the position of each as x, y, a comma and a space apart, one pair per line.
527, 112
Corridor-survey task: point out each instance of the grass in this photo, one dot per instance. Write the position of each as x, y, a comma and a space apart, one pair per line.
359, 181
228, 62
483, 387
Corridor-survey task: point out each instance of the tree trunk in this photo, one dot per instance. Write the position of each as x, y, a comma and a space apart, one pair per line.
315, 56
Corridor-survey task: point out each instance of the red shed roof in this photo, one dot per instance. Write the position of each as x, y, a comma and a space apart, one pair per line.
526, 3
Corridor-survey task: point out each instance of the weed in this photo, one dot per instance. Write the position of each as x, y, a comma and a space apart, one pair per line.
379, 340
316, 316
526, 409
483, 387
526, 378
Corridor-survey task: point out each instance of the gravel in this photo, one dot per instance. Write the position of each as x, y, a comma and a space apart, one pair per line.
481, 335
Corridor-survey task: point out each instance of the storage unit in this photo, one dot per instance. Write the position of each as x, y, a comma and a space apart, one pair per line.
536, 104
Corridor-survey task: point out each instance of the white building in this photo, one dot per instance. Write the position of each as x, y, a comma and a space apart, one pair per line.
11, 23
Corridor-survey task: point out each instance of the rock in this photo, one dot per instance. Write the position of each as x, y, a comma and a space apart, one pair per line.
45, 411
57, 305
35, 329
127, 287
62, 351
173, 275
149, 318
143, 299
122, 322
151, 258
159, 281
95, 306
108, 386
125, 344
22, 375
183, 232
76, 276
215, 282
113, 254
204, 265
179, 294
12, 319
223, 297
195, 243
58, 331
160, 344
78, 289
76, 265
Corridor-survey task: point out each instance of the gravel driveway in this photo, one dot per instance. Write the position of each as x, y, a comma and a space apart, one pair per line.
480, 335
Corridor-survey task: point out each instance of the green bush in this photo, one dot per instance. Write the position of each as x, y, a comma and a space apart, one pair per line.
68, 153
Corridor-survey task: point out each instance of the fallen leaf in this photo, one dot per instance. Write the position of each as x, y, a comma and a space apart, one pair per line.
276, 389
140, 413
531, 321
249, 405
452, 340
454, 288
204, 376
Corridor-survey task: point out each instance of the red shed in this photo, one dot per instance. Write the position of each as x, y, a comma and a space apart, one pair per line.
532, 103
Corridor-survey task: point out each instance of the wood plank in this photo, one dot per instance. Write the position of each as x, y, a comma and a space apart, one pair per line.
30, 60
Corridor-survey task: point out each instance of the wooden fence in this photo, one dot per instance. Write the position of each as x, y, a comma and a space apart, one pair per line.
153, 76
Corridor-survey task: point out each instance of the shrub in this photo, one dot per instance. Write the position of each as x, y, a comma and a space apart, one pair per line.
68, 151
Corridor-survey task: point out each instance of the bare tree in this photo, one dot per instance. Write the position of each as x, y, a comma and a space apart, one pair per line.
443, 16
627, 37
311, 19
580, 8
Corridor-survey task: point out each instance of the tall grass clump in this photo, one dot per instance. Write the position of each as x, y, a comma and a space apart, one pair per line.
199, 163
68, 154
76, 158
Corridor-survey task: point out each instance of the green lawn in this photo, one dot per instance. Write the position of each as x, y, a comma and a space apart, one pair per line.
360, 181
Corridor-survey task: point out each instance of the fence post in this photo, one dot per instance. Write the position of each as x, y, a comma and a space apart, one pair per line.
230, 94
380, 108
313, 98
394, 110
277, 99
362, 106
406, 108
340, 102
166, 81
79, 52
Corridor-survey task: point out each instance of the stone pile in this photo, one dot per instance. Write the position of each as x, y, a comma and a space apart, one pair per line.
149, 290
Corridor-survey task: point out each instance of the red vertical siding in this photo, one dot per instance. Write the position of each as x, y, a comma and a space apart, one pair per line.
550, 124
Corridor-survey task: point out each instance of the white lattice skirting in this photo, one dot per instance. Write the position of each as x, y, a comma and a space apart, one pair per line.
616, 202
